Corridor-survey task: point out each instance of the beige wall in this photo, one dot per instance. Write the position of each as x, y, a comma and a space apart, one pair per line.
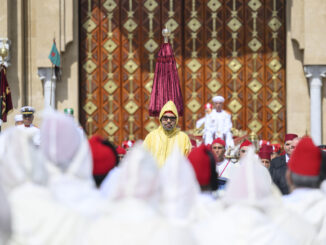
306, 21
33, 25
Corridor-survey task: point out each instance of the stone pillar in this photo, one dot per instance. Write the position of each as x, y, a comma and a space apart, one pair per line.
315, 73
49, 79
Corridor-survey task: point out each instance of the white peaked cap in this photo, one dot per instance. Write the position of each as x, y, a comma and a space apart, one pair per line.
251, 183
18, 118
138, 176
20, 160
5, 218
64, 147
218, 99
180, 188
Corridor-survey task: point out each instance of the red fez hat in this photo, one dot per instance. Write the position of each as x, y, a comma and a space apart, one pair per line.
121, 151
200, 161
104, 156
276, 147
219, 141
265, 152
306, 158
245, 143
290, 137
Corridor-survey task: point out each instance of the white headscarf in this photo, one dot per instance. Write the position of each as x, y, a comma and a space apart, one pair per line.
20, 159
69, 162
251, 183
5, 218
138, 176
180, 188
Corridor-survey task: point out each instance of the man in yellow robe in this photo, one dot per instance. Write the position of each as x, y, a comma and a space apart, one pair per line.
160, 142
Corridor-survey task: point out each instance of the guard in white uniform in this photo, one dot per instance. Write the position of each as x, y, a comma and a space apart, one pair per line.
223, 121
28, 117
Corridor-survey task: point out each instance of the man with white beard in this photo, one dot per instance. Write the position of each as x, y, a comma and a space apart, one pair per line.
303, 177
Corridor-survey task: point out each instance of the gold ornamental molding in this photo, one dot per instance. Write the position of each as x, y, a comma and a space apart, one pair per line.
255, 86
214, 85
90, 107
110, 87
150, 126
234, 24
234, 106
110, 5
275, 106
194, 65
214, 45
89, 25
254, 4
150, 5
235, 65
194, 25
130, 66
130, 25
111, 128
275, 65
254, 45
194, 105
89, 66
214, 5
274, 24
172, 25
151, 45
255, 126
110, 45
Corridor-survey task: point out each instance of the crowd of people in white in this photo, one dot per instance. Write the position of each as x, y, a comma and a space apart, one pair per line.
49, 196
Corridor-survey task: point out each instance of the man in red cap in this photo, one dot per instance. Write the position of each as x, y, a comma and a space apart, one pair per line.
244, 148
224, 167
304, 178
279, 164
265, 155
121, 152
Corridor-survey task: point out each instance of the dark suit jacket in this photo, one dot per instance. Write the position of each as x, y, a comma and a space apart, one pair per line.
278, 169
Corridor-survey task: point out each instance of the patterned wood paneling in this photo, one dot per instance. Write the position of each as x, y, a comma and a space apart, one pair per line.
234, 48
194, 64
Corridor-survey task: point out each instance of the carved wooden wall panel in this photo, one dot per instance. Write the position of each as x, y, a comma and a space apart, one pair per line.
233, 48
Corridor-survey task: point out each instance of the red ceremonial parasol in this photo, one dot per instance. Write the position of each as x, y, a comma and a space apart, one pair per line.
166, 84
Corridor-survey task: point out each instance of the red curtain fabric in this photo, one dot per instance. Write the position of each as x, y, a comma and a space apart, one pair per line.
6, 102
166, 84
